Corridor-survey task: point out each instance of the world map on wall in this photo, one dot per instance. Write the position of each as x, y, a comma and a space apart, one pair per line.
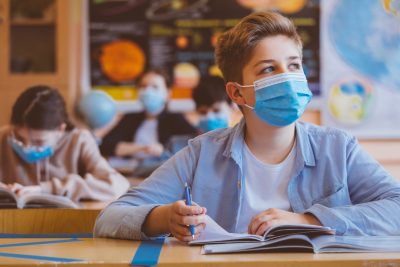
366, 36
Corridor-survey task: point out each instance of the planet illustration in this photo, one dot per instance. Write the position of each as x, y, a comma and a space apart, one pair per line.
186, 75
122, 60
284, 6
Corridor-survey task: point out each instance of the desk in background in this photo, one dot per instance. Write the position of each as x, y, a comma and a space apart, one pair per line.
50, 221
112, 252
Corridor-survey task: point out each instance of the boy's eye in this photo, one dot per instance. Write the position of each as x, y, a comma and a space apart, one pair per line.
294, 67
267, 70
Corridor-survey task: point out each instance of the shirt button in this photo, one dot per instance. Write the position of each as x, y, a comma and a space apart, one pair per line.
239, 183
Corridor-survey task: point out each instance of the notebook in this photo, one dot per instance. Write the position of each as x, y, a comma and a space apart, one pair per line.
291, 238
9, 200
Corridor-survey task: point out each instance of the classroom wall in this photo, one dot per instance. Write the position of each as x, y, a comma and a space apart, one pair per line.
387, 152
68, 53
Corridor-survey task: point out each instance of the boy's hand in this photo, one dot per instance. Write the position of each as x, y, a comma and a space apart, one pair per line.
181, 216
264, 220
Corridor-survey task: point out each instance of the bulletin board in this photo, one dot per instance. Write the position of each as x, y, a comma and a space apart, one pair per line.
179, 36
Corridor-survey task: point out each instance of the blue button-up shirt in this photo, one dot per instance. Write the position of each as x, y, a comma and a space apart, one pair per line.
334, 179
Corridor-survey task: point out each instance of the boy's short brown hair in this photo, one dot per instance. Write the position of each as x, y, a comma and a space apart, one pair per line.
235, 46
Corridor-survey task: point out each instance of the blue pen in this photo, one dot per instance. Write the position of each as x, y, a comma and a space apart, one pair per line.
188, 199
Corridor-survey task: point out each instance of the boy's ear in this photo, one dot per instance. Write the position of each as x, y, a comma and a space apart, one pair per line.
234, 94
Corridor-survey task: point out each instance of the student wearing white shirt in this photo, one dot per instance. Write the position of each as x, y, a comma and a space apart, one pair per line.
269, 169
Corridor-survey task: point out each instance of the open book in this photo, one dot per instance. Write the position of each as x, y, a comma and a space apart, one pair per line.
291, 238
9, 200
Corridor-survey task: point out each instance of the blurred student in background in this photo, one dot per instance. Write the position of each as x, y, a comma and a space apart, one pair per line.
42, 152
212, 104
145, 134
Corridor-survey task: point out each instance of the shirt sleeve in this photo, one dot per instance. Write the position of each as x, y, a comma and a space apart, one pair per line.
124, 218
375, 196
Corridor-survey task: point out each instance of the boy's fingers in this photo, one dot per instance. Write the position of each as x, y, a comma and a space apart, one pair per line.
182, 209
193, 220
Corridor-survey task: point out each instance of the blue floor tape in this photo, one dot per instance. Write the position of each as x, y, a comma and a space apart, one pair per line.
39, 243
73, 235
35, 257
148, 253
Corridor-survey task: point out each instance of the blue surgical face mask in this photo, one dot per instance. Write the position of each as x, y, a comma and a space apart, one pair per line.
281, 99
30, 154
153, 101
213, 121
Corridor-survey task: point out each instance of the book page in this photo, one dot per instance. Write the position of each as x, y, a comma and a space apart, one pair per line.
46, 201
293, 243
297, 229
8, 200
214, 233
329, 244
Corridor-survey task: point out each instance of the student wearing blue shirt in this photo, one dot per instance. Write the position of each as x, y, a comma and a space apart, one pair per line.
269, 169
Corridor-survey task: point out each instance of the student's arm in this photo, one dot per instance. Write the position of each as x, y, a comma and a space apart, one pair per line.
123, 149
125, 217
374, 193
129, 148
98, 181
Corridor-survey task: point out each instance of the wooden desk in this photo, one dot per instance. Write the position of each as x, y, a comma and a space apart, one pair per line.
50, 221
110, 252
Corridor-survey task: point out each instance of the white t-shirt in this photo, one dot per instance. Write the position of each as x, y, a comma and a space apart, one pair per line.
146, 134
265, 186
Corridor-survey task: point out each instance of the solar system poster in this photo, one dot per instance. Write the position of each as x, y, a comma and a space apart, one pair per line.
179, 36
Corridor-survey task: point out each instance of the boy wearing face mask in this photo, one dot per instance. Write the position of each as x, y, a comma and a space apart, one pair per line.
269, 169
211, 103
144, 134
42, 152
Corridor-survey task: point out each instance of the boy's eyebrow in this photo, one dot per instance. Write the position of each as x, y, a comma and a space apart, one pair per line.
271, 60
293, 57
264, 61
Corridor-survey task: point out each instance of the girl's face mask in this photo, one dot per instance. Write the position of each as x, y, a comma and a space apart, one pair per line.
280, 99
153, 93
39, 147
153, 101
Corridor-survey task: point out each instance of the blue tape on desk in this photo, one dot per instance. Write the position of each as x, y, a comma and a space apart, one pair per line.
72, 235
35, 257
148, 253
39, 243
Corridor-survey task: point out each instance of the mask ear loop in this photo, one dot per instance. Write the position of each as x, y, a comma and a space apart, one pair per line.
38, 172
245, 86
47, 166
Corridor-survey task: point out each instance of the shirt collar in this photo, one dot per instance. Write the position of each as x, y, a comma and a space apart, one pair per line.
235, 144
304, 145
